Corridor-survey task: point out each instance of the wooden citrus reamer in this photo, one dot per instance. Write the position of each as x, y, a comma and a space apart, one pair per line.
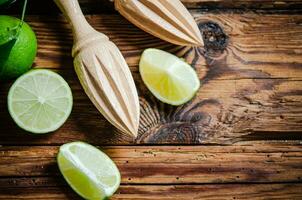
166, 19
102, 71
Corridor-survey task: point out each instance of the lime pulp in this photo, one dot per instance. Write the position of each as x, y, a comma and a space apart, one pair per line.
169, 78
40, 101
89, 172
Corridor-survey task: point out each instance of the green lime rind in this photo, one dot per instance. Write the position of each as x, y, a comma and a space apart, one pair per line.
18, 49
8, 35
19, 83
80, 173
11, 33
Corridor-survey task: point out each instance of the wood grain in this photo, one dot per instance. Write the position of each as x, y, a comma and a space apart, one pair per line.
171, 164
105, 6
250, 70
156, 192
243, 4
251, 75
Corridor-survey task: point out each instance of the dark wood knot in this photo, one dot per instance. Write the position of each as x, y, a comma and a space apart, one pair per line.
215, 40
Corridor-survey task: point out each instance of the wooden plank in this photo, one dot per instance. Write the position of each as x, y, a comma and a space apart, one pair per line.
40, 190
246, 117
171, 164
105, 6
251, 72
243, 4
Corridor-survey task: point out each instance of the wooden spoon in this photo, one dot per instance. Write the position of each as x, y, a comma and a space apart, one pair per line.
166, 19
102, 71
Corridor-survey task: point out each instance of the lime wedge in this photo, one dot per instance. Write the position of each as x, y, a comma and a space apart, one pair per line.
169, 78
90, 172
40, 101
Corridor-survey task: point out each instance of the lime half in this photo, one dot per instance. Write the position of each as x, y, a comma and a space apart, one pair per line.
169, 78
40, 101
90, 172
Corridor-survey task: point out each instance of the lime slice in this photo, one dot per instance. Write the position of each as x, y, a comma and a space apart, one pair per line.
40, 101
169, 78
90, 172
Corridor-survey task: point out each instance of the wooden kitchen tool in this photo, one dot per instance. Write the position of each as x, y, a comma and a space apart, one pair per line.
103, 72
166, 19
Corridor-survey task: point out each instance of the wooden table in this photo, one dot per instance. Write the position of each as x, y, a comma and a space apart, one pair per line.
239, 138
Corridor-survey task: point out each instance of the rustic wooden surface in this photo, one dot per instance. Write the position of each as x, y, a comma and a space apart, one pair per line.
239, 138
97, 6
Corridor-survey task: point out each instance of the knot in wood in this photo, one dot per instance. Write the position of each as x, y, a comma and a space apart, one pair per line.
215, 40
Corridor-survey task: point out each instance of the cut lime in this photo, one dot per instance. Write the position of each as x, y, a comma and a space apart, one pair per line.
90, 172
169, 78
40, 101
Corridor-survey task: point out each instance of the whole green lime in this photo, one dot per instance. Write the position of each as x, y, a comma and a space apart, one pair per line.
17, 55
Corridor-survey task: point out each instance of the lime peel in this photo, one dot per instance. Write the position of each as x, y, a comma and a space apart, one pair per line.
11, 33
18, 49
8, 35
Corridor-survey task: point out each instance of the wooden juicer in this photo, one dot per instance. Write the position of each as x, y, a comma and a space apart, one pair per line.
167, 19
100, 66
102, 71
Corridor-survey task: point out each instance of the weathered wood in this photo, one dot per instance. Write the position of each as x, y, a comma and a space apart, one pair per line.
251, 74
250, 69
105, 6
41, 188
243, 4
171, 164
